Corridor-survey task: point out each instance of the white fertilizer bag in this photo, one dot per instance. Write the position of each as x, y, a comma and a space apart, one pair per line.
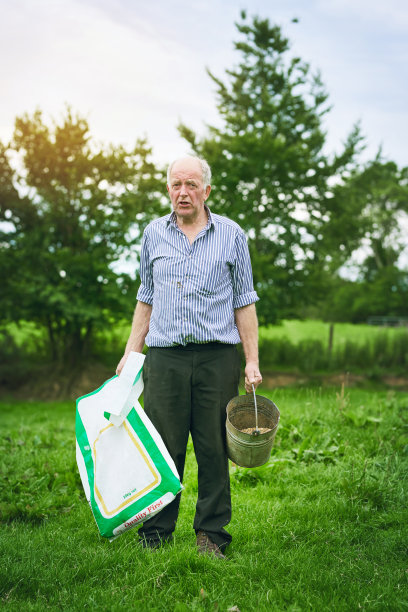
126, 471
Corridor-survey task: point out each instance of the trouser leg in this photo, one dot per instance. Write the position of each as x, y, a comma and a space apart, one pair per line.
189, 390
167, 403
214, 382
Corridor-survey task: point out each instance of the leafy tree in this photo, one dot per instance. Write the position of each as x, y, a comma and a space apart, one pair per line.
374, 204
382, 190
356, 301
271, 172
70, 210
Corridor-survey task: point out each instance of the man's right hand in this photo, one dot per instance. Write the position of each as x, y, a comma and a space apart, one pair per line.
121, 363
252, 376
140, 327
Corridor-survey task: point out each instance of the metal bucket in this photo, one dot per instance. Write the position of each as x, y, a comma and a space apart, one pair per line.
247, 449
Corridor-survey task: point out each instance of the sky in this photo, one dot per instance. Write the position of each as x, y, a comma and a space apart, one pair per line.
136, 68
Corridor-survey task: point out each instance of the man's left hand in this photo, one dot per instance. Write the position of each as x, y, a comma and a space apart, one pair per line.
252, 376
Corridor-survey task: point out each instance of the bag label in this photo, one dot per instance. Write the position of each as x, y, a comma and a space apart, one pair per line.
131, 471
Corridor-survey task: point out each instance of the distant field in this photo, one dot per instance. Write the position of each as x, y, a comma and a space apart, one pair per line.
296, 331
28, 333
301, 346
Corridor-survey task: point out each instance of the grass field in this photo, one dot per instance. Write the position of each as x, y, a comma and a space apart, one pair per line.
296, 331
304, 346
322, 526
294, 346
28, 334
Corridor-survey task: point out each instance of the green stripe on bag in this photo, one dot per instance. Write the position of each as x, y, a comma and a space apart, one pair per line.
169, 483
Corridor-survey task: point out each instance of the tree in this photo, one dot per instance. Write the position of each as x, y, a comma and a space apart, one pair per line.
356, 301
271, 172
373, 203
382, 189
69, 212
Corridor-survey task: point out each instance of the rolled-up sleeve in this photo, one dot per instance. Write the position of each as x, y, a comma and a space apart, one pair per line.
242, 280
145, 292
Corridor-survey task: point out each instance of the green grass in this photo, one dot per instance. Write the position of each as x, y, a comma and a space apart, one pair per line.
293, 346
29, 335
322, 526
296, 331
303, 346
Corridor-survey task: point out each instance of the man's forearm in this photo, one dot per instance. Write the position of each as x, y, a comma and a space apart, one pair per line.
247, 323
138, 333
140, 327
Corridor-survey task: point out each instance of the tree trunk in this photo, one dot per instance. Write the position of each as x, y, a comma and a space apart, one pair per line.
331, 334
52, 341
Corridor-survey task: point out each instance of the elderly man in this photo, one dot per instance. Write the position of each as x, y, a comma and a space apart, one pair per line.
196, 302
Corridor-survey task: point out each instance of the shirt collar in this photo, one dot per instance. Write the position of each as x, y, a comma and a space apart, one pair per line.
173, 219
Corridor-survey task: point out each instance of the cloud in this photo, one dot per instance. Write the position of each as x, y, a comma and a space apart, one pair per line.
126, 80
392, 13
137, 68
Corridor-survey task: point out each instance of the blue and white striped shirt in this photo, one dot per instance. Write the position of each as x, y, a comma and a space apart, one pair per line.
194, 288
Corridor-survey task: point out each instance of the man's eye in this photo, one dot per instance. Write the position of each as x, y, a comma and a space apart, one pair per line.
190, 184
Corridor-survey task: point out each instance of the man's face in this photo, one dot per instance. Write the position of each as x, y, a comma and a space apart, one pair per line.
186, 189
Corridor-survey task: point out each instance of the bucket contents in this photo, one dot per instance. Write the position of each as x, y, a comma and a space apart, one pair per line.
251, 426
251, 430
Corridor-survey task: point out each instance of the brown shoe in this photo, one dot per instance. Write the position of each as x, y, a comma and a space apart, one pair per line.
208, 547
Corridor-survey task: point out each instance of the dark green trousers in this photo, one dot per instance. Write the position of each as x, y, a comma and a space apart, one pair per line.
186, 390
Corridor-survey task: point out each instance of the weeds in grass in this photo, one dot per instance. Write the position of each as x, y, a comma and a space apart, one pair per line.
342, 399
38, 474
321, 526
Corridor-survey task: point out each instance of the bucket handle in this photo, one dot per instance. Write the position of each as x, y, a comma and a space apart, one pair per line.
256, 432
